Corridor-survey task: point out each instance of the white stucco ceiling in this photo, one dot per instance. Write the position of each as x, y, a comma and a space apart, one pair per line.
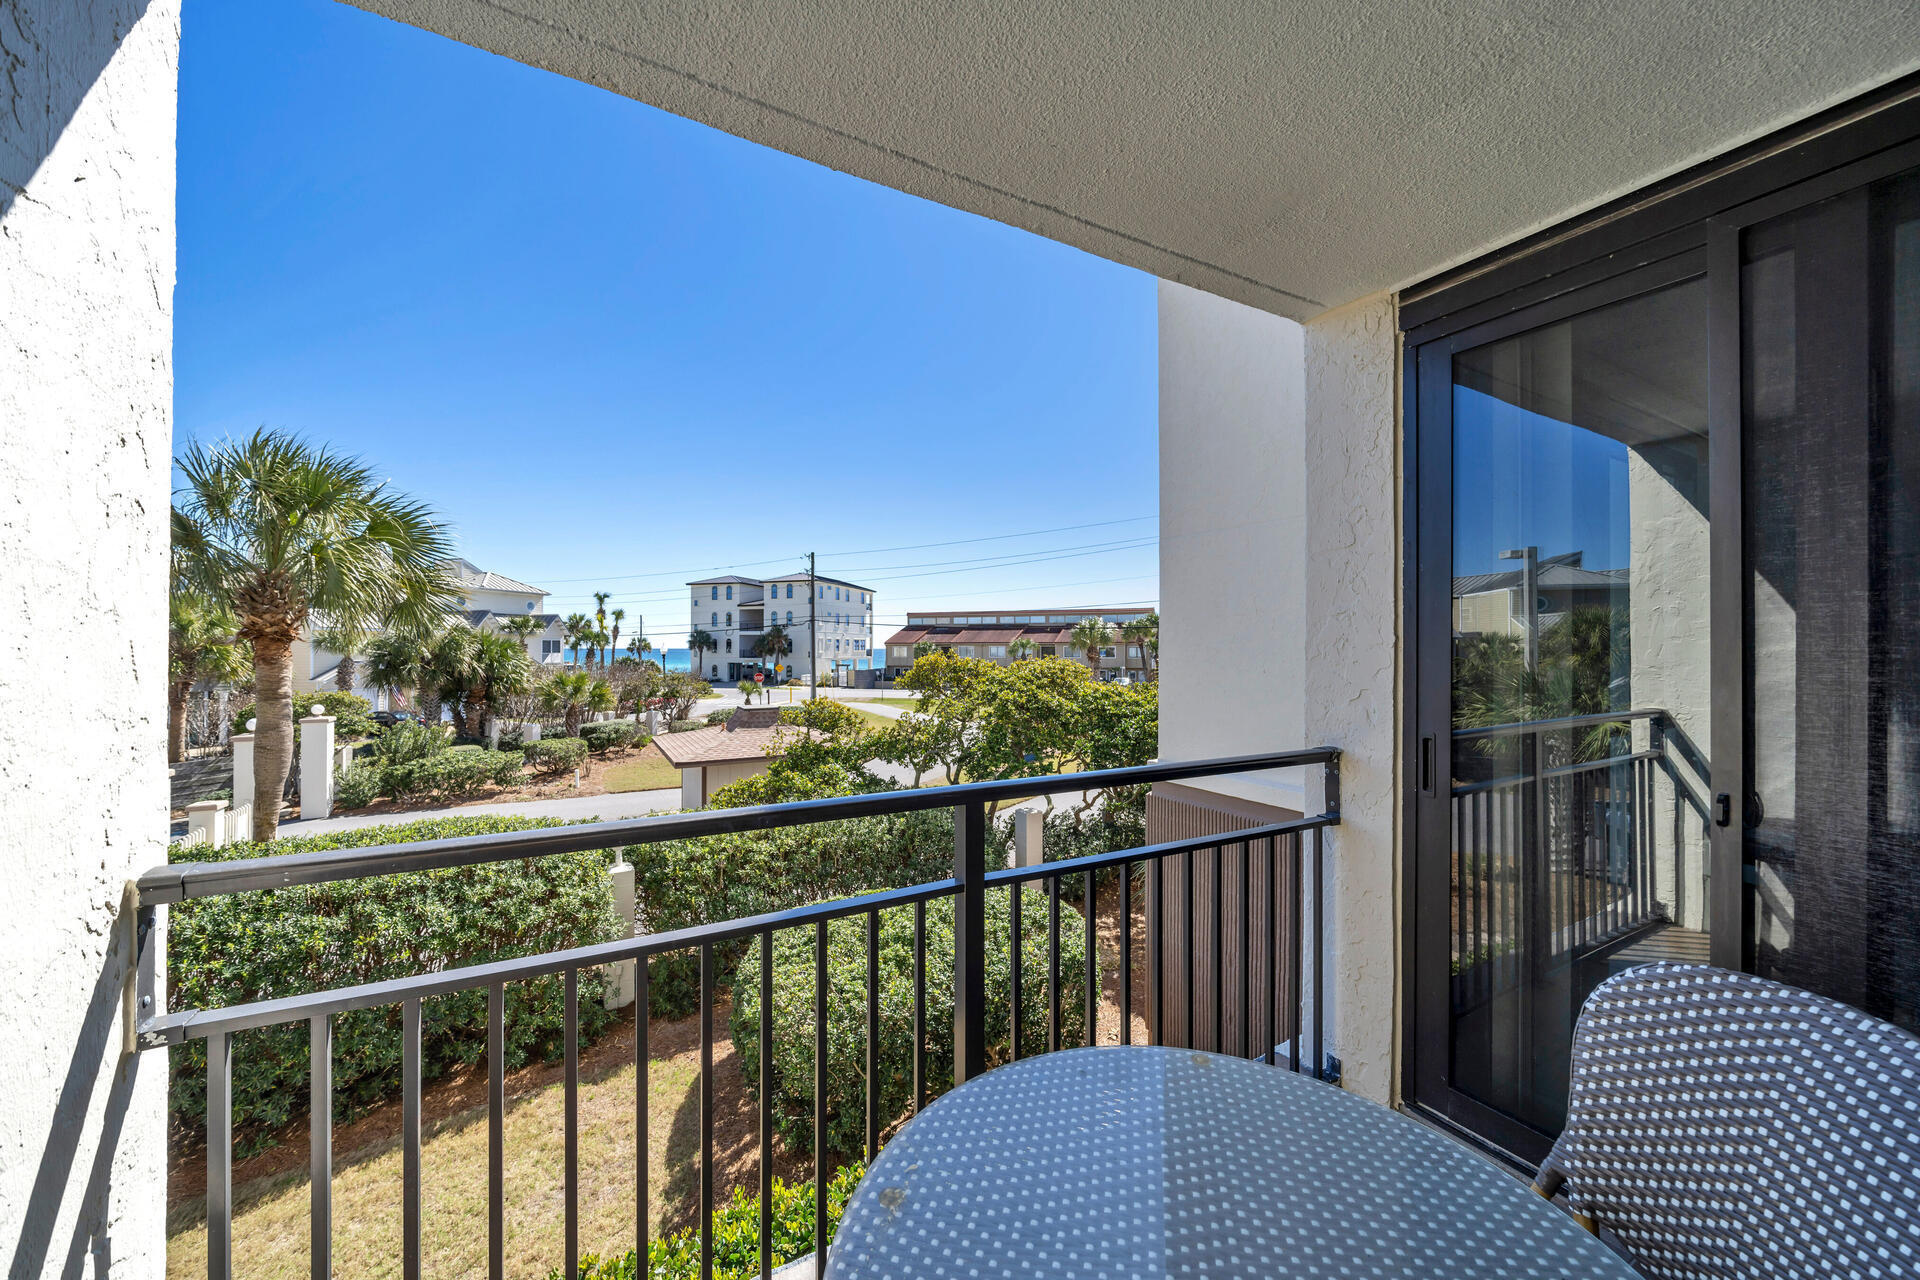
1293, 157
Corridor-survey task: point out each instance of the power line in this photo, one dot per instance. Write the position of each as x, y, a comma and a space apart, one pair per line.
919, 546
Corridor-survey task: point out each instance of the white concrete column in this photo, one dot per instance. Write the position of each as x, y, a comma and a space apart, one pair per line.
343, 755
493, 734
1350, 672
243, 766
209, 816
316, 764
529, 732
653, 723
86, 426
621, 991
1029, 837
693, 787
225, 719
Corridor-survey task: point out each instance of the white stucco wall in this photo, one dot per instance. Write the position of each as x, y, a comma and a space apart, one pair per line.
1232, 537
1351, 668
86, 297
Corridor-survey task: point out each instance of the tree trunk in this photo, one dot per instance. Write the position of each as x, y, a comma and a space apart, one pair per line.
273, 736
343, 674
177, 721
573, 721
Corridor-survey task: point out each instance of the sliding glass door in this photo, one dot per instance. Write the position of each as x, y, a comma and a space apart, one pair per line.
1665, 621
1567, 766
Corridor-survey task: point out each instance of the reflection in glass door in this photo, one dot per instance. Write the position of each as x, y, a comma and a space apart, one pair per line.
1580, 689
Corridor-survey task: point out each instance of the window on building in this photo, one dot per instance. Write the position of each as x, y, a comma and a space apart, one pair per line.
729, 619
996, 651
713, 619
549, 648
789, 591
729, 593
729, 644
1107, 652
1046, 651
714, 593
789, 617
963, 651
716, 671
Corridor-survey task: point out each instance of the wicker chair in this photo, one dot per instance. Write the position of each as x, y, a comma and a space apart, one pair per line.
1721, 1125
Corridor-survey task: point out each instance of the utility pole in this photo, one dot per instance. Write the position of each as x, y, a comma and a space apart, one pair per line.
813, 632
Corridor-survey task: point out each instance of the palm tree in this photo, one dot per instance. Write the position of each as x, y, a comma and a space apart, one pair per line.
600, 599
277, 530
1145, 632
573, 694
613, 646
1092, 635
200, 646
1020, 650
346, 637
523, 628
577, 627
775, 643
597, 639
639, 647
397, 661
701, 642
478, 671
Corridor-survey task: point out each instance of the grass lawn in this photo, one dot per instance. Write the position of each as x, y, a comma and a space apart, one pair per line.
906, 702
647, 771
871, 719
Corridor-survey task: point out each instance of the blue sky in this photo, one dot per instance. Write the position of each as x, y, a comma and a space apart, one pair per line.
613, 346
1523, 479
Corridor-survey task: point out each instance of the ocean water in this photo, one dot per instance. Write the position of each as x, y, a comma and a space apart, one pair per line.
676, 659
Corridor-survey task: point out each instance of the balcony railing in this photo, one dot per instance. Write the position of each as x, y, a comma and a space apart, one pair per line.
1559, 857
1286, 953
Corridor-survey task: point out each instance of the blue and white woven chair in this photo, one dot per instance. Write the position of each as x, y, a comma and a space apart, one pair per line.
1721, 1125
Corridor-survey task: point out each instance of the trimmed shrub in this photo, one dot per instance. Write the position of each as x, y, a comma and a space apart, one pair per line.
452, 774
407, 741
283, 942
352, 714
687, 882
736, 1235
512, 739
793, 1006
609, 735
556, 755
356, 786
721, 716
684, 726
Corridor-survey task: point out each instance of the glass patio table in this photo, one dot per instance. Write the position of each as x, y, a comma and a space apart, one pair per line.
1151, 1162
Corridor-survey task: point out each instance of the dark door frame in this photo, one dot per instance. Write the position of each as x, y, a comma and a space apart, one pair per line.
1688, 227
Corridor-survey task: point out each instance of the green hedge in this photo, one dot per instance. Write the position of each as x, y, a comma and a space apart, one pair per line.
793, 1033
721, 716
556, 755
282, 942
736, 1235
685, 726
603, 736
452, 774
687, 882
352, 714
356, 786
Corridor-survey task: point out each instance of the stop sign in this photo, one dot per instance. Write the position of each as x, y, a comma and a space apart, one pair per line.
759, 677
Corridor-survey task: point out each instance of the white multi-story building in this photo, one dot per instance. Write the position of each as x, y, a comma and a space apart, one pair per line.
737, 612
992, 636
485, 599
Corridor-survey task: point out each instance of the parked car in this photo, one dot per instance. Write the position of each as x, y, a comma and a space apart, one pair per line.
388, 719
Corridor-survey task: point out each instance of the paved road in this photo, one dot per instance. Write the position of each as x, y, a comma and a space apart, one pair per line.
624, 804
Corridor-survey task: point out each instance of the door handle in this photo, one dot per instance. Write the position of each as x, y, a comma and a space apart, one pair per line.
1427, 779
1723, 810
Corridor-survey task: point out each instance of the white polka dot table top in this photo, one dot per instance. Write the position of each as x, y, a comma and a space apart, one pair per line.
1122, 1162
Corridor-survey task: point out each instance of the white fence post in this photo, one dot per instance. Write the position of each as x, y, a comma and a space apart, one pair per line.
243, 767
316, 764
620, 992
207, 822
239, 824
1029, 837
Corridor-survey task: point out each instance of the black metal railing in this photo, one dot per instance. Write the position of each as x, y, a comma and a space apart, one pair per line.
1288, 954
1571, 846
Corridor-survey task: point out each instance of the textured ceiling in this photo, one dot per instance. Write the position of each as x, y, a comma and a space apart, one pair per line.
1293, 157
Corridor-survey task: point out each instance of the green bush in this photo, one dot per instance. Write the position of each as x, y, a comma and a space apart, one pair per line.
453, 774
609, 735
283, 942
793, 1007
356, 786
724, 877
736, 1235
408, 741
684, 726
556, 755
721, 716
352, 714
512, 739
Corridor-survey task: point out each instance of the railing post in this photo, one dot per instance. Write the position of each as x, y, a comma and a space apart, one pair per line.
969, 941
